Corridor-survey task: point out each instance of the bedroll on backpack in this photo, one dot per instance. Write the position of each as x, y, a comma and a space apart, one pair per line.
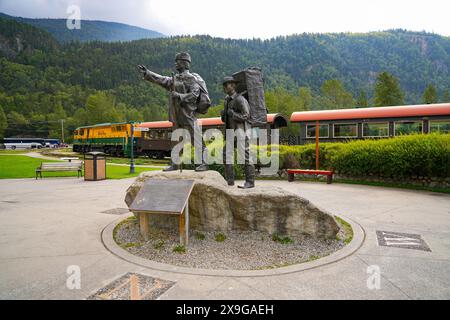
203, 100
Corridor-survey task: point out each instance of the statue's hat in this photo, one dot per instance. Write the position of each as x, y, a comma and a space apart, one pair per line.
229, 79
183, 56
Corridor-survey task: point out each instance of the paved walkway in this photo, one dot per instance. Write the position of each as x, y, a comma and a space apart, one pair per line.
47, 225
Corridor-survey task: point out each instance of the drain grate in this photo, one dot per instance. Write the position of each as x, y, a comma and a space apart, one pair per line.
133, 286
116, 211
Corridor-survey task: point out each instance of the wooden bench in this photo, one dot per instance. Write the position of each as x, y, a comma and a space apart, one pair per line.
59, 166
292, 172
70, 158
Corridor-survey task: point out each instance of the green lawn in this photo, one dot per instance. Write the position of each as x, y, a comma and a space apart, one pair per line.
16, 166
9, 151
121, 172
139, 161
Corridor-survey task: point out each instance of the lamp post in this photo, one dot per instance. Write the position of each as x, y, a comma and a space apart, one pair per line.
132, 149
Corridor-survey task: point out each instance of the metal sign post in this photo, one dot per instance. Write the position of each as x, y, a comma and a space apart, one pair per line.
132, 149
317, 145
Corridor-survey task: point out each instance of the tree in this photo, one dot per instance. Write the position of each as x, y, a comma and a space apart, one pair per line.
54, 120
362, 101
304, 98
100, 108
17, 125
446, 96
3, 123
429, 95
334, 96
388, 91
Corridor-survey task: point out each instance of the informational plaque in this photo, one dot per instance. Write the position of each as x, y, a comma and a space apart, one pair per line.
162, 196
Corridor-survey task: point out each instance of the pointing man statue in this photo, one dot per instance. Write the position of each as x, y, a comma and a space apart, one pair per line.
187, 92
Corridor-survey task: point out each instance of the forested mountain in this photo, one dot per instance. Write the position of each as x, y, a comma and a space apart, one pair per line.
90, 30
42, 80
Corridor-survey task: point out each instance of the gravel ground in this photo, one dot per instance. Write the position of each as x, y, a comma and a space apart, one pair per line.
241, 250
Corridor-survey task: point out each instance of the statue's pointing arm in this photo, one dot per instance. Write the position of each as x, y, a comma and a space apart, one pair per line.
165, 82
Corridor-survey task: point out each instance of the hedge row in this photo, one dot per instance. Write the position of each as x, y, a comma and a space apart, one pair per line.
425, 155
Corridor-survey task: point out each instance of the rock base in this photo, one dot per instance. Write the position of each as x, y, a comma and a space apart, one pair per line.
214, 206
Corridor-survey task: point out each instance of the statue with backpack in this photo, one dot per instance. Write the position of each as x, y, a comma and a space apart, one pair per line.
188, 96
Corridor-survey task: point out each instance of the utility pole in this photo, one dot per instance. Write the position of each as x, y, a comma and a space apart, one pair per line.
62, 130
132, 149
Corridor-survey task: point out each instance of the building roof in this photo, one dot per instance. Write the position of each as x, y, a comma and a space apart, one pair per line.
421, 110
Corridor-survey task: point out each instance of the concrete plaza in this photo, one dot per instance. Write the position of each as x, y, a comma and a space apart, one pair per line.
47, 225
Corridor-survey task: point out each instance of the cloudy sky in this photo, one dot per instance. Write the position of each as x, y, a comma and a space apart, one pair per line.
250, 18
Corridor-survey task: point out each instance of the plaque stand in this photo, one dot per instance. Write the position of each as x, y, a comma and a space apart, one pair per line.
164, 197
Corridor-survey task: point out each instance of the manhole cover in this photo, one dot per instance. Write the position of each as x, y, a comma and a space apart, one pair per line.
133, 286
402, 240
116, 211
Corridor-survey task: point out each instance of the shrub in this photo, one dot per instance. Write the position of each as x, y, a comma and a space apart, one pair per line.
404, 156
200, 236
283, 240
290, 161
220, 237
159, 244
179, 248
425, 155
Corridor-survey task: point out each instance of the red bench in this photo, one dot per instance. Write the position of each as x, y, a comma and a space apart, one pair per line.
292, 172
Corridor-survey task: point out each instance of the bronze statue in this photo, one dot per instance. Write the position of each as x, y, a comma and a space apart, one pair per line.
188, 95
236, 115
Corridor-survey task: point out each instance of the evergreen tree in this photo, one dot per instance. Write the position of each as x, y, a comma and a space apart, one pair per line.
446, 96
388, 91
18, 125
101, 108
334, 96
362, 100
305, 98
430, 95
3, 123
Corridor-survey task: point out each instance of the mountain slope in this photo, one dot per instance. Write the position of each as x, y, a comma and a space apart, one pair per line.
91, 30
43, 80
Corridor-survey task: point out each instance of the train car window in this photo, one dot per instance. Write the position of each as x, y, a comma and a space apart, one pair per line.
345, 130
407, 127
169, 135
81, 132
440, 126
75, 133
379, 129
311, 131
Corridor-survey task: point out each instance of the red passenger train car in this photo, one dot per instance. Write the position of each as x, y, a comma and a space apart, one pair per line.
379, 122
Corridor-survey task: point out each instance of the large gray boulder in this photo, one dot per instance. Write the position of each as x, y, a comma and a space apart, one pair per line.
214, 206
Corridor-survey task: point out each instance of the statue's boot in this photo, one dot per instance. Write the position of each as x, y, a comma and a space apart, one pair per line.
247, 185
229, 174
249, 177
202, 167
172, 167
